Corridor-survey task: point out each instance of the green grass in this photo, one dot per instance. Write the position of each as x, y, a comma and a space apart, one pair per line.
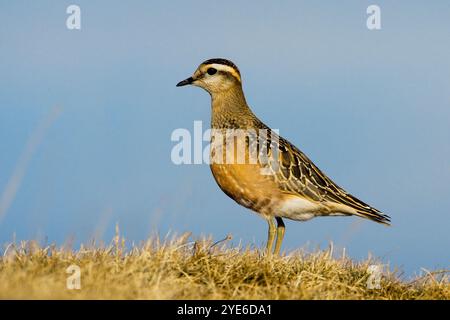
182, 269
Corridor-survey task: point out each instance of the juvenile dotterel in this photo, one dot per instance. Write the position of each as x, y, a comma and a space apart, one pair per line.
296, 189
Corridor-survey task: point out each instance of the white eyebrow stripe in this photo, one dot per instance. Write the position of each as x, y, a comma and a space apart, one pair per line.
222, 67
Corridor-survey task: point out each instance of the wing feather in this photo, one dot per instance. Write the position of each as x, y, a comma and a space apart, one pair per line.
298, 175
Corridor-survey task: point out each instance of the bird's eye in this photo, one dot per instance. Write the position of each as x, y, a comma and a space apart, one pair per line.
211, 71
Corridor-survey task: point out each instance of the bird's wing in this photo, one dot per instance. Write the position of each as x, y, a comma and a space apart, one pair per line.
295, 173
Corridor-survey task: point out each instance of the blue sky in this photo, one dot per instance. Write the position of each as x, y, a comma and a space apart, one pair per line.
370, 108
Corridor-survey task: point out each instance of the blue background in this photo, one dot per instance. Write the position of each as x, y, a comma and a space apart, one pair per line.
370, 108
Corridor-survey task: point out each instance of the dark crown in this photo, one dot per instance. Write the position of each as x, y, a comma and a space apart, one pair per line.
225, 62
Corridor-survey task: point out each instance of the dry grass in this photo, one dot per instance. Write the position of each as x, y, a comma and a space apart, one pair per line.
178, 269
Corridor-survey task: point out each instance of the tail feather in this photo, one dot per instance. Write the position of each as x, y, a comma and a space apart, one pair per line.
374, 215
365, 211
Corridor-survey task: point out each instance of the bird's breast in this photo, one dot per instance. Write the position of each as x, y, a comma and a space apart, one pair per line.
246, 184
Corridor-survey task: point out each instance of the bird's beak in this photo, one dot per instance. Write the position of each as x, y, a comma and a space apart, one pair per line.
185, 82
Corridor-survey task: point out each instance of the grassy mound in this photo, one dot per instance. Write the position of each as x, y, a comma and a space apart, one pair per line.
178, 269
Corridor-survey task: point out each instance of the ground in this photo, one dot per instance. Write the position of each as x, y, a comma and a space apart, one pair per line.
183, 268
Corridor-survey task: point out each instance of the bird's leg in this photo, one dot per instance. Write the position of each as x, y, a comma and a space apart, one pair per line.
280, 235
271, 235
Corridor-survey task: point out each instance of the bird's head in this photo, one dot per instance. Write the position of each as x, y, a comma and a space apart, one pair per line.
215, 76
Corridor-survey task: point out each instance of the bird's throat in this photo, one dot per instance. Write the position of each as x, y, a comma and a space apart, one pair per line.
229, 109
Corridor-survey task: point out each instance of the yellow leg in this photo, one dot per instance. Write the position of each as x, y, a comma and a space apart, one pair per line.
280, 235
271, 235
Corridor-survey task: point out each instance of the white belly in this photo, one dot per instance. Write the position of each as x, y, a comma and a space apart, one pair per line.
297, 208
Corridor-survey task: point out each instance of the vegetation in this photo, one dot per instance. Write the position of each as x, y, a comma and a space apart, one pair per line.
179, 269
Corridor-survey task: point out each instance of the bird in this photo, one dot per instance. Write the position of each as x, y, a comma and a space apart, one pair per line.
287, 184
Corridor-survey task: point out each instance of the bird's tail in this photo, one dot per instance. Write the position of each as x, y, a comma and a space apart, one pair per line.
374, 215
363, 210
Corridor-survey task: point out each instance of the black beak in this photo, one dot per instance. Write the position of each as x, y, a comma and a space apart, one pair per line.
185, 82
